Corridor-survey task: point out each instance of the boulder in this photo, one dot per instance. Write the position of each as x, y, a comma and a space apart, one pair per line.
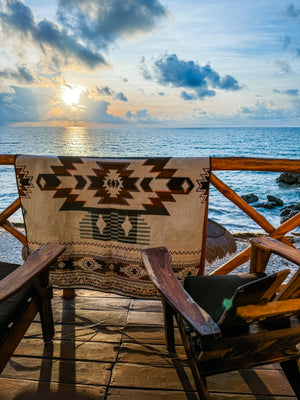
289, 178
275, 200
268, 204
250, 198
289, 211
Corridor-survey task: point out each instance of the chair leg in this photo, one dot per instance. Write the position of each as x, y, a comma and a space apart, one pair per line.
44, 295
200, 381
169, 326
291, 370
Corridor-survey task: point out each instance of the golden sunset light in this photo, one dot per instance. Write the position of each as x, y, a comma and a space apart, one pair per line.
71, 94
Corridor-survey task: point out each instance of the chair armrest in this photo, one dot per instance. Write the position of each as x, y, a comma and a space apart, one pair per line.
268, 244
272, 309
157, 262
37, 262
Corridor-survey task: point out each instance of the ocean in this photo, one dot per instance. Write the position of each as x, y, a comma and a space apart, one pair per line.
175, 142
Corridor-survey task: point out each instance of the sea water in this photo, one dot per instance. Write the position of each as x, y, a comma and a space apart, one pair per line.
175, 142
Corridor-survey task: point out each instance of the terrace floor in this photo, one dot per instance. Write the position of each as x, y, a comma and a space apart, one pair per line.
111, 347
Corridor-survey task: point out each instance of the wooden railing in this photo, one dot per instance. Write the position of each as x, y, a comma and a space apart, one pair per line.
217, 164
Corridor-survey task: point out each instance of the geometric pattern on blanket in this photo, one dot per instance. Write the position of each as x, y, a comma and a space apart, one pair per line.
107, 210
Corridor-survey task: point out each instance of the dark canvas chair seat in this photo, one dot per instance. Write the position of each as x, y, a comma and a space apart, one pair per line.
214, 293
233, 322
24, 291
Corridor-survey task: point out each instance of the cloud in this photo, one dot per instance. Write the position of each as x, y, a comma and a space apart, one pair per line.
262, 111
18, 19
200, 81
100, 23
121, 96
289, 92
19, 106
283, 66
21, 74
291, 11
141, 116
106, 91
286, 41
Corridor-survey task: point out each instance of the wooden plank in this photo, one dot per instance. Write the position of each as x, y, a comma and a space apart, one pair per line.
271, 244
9, 227
254, 164
35, 263
271, 309
11, 209
7, 159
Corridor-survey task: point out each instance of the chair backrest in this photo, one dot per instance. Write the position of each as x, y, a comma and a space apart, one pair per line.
257, 292
157, 262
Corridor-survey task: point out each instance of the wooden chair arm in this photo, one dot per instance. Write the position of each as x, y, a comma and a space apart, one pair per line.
157, 262
269, 244
32, 267
272, 309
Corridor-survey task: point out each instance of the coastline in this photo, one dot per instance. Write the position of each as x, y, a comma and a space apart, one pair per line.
11, 251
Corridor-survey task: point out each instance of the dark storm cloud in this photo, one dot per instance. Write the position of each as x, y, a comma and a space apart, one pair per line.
200, 81
20, 74
291, 11
100, 23
17, 17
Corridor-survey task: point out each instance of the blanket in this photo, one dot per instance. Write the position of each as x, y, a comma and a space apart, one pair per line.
107, 210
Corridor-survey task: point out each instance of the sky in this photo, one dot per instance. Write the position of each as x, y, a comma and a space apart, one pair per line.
150, 62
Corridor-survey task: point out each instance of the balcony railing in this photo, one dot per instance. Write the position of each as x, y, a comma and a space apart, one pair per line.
217, 164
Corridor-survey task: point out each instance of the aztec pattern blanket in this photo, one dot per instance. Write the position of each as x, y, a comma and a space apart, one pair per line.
107, 210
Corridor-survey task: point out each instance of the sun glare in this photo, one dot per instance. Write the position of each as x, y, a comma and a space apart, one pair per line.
70, 94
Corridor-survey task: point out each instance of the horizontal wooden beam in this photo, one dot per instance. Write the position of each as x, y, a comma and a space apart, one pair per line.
225, 163
7, 159
254, 164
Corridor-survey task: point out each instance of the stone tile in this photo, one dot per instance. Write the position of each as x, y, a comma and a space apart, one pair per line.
145, 319
146, 305
148, 334
13, 389
96, 333
129, 394
64, 371
149, 354
68, 350
97, 293
92, 303
90, 317
256, 381
150, 377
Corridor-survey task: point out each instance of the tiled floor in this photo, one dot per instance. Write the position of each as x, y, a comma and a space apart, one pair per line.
110, 347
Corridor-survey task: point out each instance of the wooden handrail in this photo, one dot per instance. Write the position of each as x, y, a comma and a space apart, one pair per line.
254, 164
225, 163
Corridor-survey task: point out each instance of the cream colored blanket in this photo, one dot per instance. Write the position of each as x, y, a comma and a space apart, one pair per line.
107, 210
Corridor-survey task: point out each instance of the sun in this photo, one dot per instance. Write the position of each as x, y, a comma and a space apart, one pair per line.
71, 93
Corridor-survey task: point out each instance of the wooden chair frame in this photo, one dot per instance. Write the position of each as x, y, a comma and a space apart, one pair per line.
34, 270
272, 336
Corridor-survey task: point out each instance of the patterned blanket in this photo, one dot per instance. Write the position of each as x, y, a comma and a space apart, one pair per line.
107, 210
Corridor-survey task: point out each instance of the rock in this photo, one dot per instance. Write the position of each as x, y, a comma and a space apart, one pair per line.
289, 178
268, 204
289, 211
275, 200
250, 198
